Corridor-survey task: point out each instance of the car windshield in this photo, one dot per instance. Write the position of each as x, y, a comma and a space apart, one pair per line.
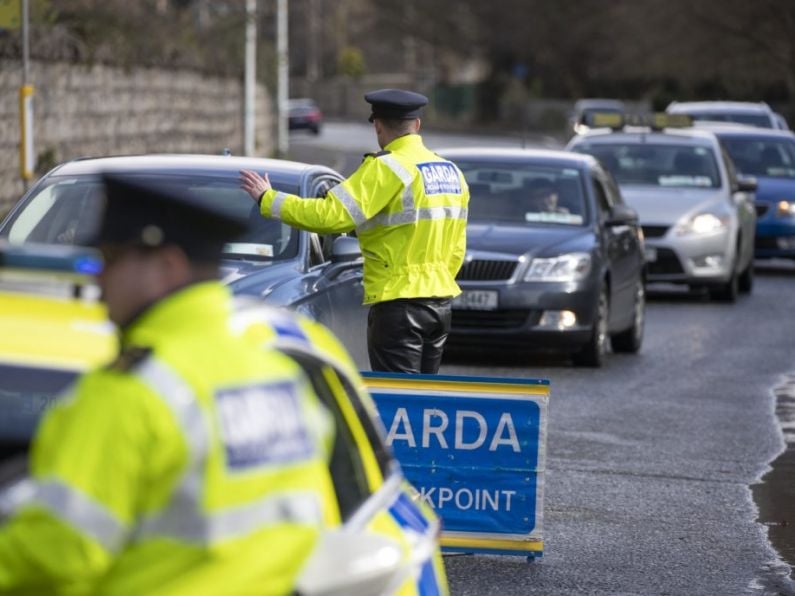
66, 211
760, 120
646, 164
762, 157
523, 194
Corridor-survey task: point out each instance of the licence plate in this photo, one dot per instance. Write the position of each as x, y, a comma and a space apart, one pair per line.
476, 300
651, 254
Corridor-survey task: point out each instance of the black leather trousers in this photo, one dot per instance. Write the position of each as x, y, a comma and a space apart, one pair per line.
408, 335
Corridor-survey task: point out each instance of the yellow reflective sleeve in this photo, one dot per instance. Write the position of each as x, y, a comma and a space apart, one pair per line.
324, 216
37, 552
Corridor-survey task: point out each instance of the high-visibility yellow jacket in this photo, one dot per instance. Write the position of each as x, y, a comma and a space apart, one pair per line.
195, 464
409, 209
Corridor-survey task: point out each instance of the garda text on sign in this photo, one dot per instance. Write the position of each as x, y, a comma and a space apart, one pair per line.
474, 448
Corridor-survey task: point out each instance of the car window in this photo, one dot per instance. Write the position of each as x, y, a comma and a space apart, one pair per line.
762, 156
524, 194
319, 188
602, 199
649, 164
760, 120
66, 209
25, 393
347, 465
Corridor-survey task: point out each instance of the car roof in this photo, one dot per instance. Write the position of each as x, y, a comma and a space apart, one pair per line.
670, 136
719, 106
188, 164
544, 156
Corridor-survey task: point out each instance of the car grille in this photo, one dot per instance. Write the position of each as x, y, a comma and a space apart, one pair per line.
761, 209
481, 270
490, 319
765, 243
654, 231
667, 263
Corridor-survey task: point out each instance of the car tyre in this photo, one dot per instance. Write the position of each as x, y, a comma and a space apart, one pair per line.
629, 341
593, 352
746, 281
726, 292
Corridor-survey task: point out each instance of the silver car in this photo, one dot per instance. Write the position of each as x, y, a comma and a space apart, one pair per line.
697, 215
740, 112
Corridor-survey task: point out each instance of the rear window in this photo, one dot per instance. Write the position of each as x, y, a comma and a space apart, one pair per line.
760, 120
524, 194
646, 164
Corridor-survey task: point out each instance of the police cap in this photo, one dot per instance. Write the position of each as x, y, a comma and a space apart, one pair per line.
143, 213
395, 104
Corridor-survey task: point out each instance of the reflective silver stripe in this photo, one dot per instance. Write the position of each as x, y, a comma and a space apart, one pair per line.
405, 176
446, 212
276, 206
191, 526
350, 204
405, 217
179, 397
81, 512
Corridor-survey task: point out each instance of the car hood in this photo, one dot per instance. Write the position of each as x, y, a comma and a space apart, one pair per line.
666, 206
773, 190
257, 277
530, 240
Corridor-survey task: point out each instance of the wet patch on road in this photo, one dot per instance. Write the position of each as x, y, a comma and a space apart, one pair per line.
775, 494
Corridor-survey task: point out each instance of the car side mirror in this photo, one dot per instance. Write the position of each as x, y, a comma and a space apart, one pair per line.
351, 564
345, 249
746, 184
621, 215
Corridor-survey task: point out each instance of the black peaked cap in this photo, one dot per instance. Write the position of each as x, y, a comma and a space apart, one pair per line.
142, 213
395, 104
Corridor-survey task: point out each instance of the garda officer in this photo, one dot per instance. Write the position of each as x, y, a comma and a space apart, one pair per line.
408, 207
196, 463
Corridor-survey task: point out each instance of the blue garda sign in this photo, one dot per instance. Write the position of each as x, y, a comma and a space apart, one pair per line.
475, 449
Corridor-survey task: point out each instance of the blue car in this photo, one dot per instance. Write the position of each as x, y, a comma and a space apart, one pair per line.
319, 276
769, 156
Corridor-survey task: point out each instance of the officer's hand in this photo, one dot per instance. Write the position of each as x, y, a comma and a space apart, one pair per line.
254, 184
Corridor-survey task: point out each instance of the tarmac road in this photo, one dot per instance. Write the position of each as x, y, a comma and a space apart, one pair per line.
650, 459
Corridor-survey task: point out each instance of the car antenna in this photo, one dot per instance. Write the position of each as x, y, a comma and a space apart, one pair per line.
226, 151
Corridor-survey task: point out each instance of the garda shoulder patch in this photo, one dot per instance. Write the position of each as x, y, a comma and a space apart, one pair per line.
129, 358
376, 154
262, 425
440, 177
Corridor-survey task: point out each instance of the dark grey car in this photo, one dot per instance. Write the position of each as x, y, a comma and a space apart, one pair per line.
566, 273
320, 276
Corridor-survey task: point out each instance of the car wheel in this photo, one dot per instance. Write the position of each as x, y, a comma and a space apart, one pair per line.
630, 340
593, 352
728, 291
316, 130
746, 281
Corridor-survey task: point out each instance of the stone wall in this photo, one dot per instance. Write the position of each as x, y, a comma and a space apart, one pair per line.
101, 110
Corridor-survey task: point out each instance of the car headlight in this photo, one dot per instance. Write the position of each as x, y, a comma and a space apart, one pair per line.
568, 267
786, 209
703, 223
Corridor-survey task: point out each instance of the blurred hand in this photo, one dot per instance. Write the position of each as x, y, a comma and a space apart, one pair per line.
254, 184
